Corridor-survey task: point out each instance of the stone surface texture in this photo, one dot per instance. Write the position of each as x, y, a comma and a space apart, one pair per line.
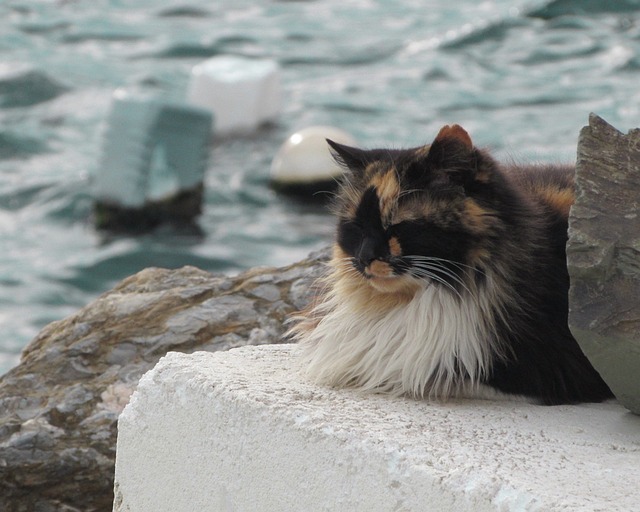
603, 256
242, 431
59, 407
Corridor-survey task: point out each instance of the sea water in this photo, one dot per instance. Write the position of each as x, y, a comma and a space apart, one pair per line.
520, 75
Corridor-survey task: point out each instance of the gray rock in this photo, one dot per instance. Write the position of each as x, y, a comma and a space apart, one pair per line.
603, 256
59, 407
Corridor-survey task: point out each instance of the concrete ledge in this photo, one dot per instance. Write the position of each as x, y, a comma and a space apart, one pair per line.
240, 431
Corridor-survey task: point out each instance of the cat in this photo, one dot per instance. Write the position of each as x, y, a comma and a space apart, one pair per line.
448, 279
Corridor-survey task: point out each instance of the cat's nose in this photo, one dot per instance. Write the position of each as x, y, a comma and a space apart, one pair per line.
369, 250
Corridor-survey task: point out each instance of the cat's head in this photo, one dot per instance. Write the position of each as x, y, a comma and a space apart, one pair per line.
427, 214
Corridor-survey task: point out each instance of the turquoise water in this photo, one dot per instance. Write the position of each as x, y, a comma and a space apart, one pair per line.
521, 76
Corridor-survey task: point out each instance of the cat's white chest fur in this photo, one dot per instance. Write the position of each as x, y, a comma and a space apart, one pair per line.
435, 345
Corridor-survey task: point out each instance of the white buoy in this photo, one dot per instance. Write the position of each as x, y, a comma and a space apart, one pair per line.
242, 93
304, 161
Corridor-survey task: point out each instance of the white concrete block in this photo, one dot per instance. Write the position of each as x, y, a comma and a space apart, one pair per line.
152, 149
240, 431
242, 93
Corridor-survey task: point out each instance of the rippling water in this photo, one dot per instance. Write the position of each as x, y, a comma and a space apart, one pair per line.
521, 76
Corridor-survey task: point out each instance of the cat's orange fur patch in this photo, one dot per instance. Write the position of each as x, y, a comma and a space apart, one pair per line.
388, 189
478, 255
379, 268
394, 247
392, 290
476, 218
425, 210
410, 211
558, 199
422, 152
372, 170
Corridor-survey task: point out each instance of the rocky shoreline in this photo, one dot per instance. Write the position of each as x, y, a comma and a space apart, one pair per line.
59, 407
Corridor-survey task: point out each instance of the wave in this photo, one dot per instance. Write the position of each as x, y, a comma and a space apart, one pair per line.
491, 31
557, 8
27, 88
228, 45
349, 57
17, 146
185, 11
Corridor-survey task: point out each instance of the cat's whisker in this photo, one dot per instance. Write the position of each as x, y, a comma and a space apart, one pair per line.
440, 268
461, 266
409, 192
350, 267
438, 264
430, 269
434, 277
328, 193
438, 279
446, 272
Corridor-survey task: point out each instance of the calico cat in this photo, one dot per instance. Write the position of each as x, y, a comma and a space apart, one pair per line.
448, 278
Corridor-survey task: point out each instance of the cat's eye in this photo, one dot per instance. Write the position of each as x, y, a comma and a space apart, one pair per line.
351, 226
404, 225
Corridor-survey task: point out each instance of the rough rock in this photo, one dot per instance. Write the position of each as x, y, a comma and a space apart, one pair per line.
59, 407
603, 256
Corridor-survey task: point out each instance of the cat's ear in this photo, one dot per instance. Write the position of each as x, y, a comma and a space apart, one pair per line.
453, 156
352, 158
451, 147
449, 160
454, 134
